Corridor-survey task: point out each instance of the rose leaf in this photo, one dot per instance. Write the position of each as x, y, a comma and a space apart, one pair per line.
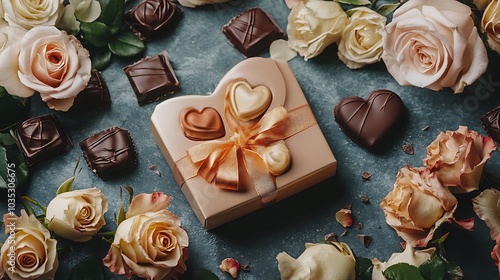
437, 268
402, 271
101, 58
66, 186
364, 268
13, 108
126, 43
387, 9
89, 269
355, 2
112, 14
96, 33
12, 162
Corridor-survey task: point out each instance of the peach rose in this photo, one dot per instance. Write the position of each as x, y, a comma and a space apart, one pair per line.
77, 215
151, 245
28, 252
481, 4
458, 157
48, 61
495, 253
490, 23
434, 44
28, 14
417, 205
313, 25
409, 255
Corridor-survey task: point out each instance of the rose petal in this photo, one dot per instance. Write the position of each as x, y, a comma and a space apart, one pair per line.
487, 207
280, 50
143, 203
344, 217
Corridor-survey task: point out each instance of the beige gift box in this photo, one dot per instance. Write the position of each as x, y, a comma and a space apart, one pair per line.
312, 158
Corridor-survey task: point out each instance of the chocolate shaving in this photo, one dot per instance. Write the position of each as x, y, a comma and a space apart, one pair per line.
359, 226
366, 176
155, 169
365, 239
343, 233
365, 198
347, 206
408, 148
425, 128
332, 236
245, 267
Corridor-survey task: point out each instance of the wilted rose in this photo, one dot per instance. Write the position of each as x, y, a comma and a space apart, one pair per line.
28, 14
490, 23
313, 25
417, 205
362, 39
194, 3
458, 157
487, 207
48, 61
434, 44
151, 245
77, 215
409, 255
333, 261
28, 252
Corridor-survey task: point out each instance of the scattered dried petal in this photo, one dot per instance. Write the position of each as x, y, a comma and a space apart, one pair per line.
366, 176
425, 128
230, 266
245, 267
153, 167
365, 198
331, 237
343, 233
408, 148
280, 50
365, 239
344, 217
359, 226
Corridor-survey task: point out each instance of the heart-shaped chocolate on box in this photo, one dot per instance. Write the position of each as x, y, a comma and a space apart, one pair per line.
202, 125
369, 122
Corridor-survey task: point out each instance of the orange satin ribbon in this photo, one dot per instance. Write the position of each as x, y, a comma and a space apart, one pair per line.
220, 161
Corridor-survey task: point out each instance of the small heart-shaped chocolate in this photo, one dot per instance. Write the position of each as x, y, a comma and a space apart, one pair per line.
248, 103
202, 125
370, 122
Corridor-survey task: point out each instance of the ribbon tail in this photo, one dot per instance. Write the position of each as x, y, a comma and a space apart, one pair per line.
227, 176
263, 181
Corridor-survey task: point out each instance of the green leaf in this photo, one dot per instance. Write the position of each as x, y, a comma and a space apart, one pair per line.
402, 271
200, 274
121, 215
101, 58
364, 268
89, 269
126, 43
66, 186
22, 174
13, 109
355, 2
433, 269
34, 202
112, 14
387, 9
3, 168
96, 33
13, 167
130, 191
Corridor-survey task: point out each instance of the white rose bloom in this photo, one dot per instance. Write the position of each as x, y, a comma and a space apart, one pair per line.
490, 23
28, 14
409, 256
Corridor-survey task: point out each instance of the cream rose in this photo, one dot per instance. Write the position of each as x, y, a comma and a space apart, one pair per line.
458, 157
194, 3
77, 215
417, 205
362, 39
434, 44
28, 14
490, 23
28, 252
333, 261
313, 25
151, 245
481, 4
48, 61
409, 255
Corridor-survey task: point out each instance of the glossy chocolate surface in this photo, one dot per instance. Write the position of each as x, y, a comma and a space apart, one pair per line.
252, 31
109, 152
152, 16
370, 122
202, 125
42, 137
491, 124
152, 78
94, 97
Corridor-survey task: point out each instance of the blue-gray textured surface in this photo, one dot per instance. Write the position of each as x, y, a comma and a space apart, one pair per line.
201, 55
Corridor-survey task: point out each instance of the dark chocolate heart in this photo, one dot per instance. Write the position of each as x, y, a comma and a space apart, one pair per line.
372, 121
202, 125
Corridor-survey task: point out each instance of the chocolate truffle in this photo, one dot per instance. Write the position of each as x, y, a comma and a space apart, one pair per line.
491, 124
371, 122
252, 31
152, 78
95, 96
109, 152
202, 125
152, 17
42, 137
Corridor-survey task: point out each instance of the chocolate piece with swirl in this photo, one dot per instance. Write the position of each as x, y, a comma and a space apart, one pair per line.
152, 78
109, 152
152, 17
42, 137
252, 31
95, 96
370, 122
491, 124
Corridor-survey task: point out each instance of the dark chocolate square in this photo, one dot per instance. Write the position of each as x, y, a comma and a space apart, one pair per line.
152, 78
109, 152
152, 17
252, 31
491, 124
42, 137
95, 96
